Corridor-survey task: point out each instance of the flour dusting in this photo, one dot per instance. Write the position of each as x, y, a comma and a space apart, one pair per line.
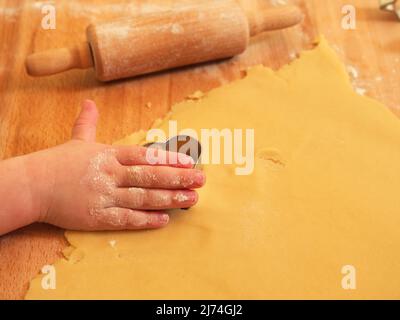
176, 28
181, 197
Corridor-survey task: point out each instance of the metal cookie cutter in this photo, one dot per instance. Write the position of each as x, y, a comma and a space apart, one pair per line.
391, 5
182, 144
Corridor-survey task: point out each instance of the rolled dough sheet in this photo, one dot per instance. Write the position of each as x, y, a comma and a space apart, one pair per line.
324, 194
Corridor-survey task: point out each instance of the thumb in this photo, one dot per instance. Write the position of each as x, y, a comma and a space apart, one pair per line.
85, 126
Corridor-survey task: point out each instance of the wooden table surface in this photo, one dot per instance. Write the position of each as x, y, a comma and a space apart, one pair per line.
39, 113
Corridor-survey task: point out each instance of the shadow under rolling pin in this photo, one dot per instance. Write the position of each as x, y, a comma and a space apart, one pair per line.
143, 44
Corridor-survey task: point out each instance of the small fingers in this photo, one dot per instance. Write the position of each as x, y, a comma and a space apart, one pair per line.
153, 199
137, 155
127, 219
161, 177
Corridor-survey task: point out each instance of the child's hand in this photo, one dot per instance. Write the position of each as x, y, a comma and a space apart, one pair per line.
92, 186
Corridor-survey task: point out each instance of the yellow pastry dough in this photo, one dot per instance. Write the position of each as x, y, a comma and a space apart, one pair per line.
324, 194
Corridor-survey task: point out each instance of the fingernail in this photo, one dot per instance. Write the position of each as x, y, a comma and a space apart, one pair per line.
200, 178
164, 218
194, 197
88, 103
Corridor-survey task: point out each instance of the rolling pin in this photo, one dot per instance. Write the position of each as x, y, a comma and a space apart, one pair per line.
142, 44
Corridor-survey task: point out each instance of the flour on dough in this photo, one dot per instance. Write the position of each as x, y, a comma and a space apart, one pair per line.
324, 195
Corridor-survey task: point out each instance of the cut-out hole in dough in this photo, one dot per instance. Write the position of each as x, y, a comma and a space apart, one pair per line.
272, 157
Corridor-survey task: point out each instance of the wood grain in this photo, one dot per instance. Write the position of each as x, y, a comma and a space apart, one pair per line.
38, 113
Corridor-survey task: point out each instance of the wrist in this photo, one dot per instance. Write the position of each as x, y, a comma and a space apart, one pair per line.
22, 192
39, 171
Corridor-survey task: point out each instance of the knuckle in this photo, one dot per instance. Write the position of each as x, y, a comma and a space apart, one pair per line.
112, 218
136, 197
151, 176
135, 174
160, 199
137, 219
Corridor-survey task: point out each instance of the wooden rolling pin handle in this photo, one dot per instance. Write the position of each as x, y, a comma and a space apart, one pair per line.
59, 60
274, 19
